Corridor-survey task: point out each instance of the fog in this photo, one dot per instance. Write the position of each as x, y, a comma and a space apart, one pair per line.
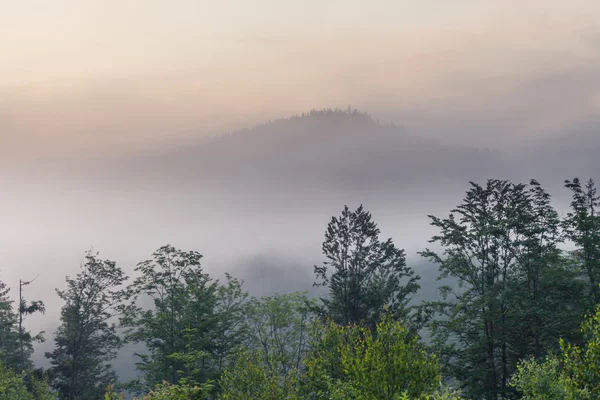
128, 125
269, 238
254, 204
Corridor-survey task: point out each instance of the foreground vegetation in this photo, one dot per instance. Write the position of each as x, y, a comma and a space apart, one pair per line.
506, 326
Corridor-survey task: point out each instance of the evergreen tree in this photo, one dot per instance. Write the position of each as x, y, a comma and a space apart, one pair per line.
363, 274
86, 340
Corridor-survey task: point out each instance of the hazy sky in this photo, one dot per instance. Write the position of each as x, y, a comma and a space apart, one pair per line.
121, 74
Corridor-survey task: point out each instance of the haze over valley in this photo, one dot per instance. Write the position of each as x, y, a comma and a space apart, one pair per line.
238, 130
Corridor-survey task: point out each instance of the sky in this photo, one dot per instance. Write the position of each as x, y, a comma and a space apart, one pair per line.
100, 76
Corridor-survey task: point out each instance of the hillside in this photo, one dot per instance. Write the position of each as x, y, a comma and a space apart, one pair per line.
329, 148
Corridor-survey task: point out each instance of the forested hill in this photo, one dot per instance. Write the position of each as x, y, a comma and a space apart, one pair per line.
345, 149
339, 149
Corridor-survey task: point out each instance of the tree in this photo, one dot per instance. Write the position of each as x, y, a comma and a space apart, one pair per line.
546, 284
13, 388
279, 327
253, 377
363, 274
572, 374
16, 343
86, 340
230, 329
500, 245
582, 226
9, 334
354, 362
182, 318
25, 339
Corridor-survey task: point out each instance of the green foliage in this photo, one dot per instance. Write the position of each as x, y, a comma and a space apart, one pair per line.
582, 226
9, 333
279, 328
516, 294
230, 327
183, 297
194, 323
572, 375
41, 390
25, 338
15, 350
166, 391
363, 274
86, 341
253, 377
12, 387
354, 362
543, 381
110, 394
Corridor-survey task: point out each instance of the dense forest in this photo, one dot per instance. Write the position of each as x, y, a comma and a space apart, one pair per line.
520, 317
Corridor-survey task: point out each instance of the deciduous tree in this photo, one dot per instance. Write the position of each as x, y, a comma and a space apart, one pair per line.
363, 274
86, 340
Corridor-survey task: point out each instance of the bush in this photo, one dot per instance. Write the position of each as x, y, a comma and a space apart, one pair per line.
351, 362
252, 377
572, 375
12, 387
166, 391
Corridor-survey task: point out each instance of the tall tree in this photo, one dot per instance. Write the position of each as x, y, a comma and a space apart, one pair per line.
475, 254
546, 284
213, 337
9, 334
181, 319
16, 343
86, 340
279, 327
26, 309
500, 245
231, 330
363, 274
582, 226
